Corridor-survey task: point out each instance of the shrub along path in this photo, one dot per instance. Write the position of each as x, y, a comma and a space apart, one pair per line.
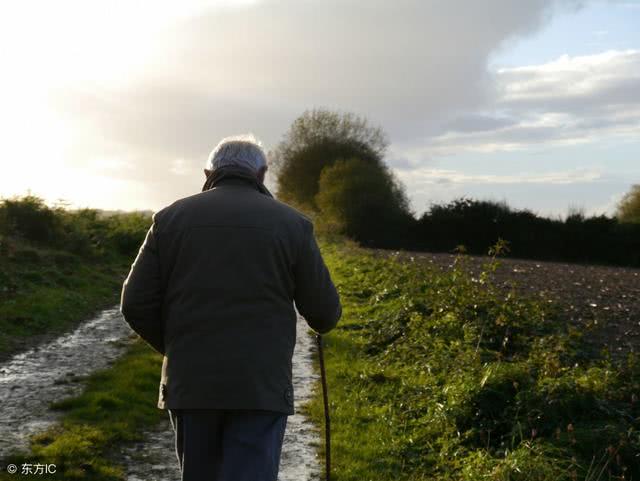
602, 300
441, 375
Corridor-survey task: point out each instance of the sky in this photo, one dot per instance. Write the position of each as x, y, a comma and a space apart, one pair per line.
116, 105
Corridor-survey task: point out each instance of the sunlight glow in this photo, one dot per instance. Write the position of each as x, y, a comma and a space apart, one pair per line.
50, 47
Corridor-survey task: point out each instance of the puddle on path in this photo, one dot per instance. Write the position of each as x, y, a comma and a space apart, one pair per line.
31, 380
155, 459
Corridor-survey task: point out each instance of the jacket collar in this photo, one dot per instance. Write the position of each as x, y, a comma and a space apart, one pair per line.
229, 172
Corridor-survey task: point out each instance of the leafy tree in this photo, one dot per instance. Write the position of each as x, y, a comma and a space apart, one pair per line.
363, 201
28, 217
316, 140
629, 206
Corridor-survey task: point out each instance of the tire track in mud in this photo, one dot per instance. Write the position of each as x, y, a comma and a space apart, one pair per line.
31, 380
155, 459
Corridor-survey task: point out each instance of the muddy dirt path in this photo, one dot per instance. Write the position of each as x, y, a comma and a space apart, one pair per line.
31, 380
155, 459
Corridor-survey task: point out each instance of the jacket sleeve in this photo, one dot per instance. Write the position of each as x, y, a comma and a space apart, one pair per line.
315, 294
142, 293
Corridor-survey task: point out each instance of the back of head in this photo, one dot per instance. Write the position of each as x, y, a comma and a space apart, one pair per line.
241, 150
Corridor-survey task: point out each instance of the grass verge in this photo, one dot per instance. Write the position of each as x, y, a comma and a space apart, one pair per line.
431, 375
438, 375
44, 292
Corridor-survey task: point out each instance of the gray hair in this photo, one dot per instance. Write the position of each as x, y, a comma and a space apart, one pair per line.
243, 150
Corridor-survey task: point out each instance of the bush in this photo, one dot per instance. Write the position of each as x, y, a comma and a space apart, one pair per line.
84, 232
316, 140
477, 224
440, 375
29, 217
629, 206
351, 190
126, 232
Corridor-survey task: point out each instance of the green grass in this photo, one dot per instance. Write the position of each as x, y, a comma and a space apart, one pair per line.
440, 376
45, 291
432, 376
57, 266
117, 403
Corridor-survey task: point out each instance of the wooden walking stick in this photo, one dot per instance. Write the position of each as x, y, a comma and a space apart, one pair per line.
325, 397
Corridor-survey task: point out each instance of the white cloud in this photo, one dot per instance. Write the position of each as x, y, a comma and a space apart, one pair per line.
580, 77
445, 176
180, 167
568, 101
418, 69
108, 165
405, 65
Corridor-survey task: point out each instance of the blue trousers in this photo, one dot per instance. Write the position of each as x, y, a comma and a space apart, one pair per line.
228, 445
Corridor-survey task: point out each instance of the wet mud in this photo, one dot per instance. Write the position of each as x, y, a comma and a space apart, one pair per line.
31, 380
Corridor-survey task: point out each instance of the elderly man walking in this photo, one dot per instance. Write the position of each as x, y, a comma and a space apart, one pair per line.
213, 289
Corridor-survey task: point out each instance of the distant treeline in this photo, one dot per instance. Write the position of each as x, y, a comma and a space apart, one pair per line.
330, 165
85, 232
477, 225
473, 226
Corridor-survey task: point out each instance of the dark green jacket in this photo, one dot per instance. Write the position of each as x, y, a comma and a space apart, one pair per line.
213, 290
